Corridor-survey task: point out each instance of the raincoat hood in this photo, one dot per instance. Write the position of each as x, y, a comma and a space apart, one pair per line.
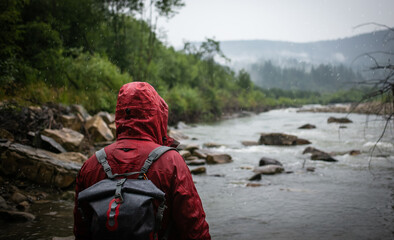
141, 114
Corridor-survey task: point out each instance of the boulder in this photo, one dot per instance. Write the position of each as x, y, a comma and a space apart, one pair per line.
199, 170
71, 121
177, 135
79, 109
249, 143
4, 134
307, 126
18, 197
338, 120
37, 165
98, 129
212, 145
72, 157
269, 161
269, 169
319, 155
195, 162
200, 153
181, 125
185, 154
107, 117
44, 142
281, 139
191, 147
112, 126
256, 177
3, 203
68, 138
218, 158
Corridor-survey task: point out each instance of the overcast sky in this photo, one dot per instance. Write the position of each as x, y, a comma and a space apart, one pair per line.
287, 20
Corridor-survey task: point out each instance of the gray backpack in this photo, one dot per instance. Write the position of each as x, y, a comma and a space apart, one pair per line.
123, 208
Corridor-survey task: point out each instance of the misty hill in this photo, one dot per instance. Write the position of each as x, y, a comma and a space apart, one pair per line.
335, 52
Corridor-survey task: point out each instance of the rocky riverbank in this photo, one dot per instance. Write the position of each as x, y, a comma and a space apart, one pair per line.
375, 108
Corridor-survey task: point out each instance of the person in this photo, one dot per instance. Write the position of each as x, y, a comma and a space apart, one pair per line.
141, 125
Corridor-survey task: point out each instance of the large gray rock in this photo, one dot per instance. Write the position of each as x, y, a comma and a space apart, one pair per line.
307, 126
72, 122
218, 158
37, 165
79, 109
269, 169
281, 139
177, 135
71, 140
98, 129
338, 120
107, 117
269, 161
319, 155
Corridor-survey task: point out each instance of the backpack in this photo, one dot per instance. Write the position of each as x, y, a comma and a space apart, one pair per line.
123, 208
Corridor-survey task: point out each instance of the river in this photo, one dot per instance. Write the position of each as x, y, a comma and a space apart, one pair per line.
349, 199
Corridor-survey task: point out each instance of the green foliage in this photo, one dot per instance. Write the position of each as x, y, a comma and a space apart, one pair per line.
84, 51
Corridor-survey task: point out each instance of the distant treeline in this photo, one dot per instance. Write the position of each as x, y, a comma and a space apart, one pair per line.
83, 51
321, 78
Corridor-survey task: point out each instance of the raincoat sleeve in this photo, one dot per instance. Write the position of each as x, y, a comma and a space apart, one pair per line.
187, 209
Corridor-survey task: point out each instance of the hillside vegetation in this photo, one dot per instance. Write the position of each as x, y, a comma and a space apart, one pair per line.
83, 51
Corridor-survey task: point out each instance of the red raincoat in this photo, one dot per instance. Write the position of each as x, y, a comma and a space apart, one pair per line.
141, 125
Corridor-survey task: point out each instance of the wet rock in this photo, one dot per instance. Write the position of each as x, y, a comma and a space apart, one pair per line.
98, 129
319, 155
4, 134
256, 177
68, 195
195, 162
37, 165
177, 135
191, 147
68, 138
218, 158
18, 197
310, 169
82, 111
249, 143
191, 158
47, 143
112, 126
185, 154
338, 120
108, 118
354, 152
269, 169
269, 161
212, 145
72, 122
3, 203
307, 126
72, 157
200, 154
199, 170
181, 125
23, 206
281, 139
15, 216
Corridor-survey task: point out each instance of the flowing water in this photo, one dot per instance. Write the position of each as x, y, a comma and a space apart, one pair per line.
349, 199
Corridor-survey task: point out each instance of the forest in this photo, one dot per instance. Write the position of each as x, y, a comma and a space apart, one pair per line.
83, 51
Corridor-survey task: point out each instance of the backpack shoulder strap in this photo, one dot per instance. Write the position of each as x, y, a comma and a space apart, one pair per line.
102, 159
153, 156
